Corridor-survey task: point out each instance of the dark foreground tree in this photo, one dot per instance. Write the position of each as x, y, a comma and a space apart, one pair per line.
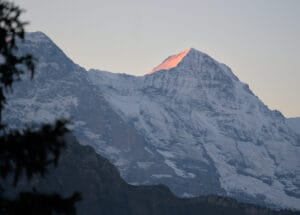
28, 152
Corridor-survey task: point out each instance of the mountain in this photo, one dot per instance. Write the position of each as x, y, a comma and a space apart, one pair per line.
211, 131
189, 124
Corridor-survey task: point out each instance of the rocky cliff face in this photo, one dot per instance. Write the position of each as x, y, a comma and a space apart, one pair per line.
192, 126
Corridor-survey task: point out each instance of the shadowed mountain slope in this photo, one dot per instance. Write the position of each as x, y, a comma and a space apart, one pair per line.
105, 192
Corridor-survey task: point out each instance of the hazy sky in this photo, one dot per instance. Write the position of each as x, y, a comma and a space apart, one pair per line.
258, 39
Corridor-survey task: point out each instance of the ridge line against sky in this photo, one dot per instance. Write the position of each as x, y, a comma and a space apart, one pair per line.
258, 40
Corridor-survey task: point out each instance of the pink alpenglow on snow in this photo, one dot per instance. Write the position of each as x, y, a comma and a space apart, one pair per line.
170, 62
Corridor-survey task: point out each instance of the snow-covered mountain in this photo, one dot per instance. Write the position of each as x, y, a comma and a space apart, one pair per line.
190, 124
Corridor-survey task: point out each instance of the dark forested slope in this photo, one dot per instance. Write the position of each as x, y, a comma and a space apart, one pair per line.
105, 192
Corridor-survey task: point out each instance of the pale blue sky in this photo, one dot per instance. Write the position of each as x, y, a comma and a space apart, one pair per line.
258, 39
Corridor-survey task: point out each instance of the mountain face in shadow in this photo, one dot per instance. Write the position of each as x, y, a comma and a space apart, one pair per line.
190, 124
105, 192
294, 123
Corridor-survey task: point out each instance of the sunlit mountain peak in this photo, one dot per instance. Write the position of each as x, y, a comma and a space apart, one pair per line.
171, 61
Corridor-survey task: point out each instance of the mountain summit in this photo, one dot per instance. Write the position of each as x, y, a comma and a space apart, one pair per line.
171, 61
175, 60
191, 125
